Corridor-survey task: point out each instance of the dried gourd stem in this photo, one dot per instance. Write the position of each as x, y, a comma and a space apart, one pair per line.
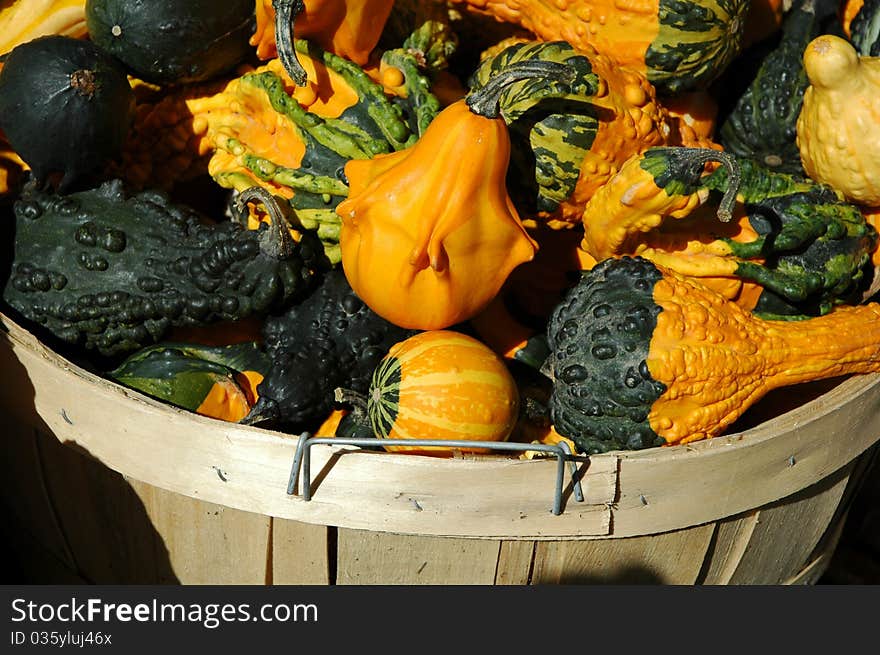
276, 242
286, 12
734, 178
349, 397
486, 101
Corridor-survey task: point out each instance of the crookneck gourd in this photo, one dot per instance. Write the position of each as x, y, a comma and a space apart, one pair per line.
678, 44
642, 356
838, 130
329, 339
109, 272
784, 245
565, 145
429, 233
261, 129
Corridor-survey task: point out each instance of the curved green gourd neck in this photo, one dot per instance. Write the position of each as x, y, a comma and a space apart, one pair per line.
486, 100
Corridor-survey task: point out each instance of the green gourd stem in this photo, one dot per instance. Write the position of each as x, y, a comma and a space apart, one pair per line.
728, 200
486, 101
277, 241
286, 12
349, 397
388, 117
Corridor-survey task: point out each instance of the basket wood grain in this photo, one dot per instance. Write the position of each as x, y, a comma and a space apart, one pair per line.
103, 484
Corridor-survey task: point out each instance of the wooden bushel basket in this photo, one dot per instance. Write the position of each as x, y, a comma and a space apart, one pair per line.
104, 485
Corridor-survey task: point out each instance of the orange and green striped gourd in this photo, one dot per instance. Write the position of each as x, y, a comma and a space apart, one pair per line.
442, 384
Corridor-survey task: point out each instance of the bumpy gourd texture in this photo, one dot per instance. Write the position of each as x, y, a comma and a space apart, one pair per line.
642, 356
679, 45
330, 339
105, 271
566, 146
794, 248
836, 133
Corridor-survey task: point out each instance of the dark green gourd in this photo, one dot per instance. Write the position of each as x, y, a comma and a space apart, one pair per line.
65, 107
101, 270
331, 339
173, 41
763, 122
865, 29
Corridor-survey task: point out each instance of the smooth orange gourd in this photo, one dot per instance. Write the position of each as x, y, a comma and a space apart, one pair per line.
429, 233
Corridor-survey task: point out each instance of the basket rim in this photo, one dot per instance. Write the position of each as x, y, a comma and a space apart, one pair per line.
628, 493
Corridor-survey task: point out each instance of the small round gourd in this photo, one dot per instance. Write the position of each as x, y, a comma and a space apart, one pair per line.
173, 41
65, 106
442, 384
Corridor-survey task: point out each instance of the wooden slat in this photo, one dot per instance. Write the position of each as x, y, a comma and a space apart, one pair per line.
669, 558
731, 540
367, 558
300, 553
111, 537
787, 532
208, 543
26, 560
515, 562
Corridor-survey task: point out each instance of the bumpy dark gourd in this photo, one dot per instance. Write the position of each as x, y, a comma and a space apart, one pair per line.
329, 340
105, 271
65, 107
763, 122
643, 356
170, 41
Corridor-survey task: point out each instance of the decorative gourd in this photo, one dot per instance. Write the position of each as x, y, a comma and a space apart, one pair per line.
259, 129
348, 28
643, 357
330, 338
679, 45
793, 248
219, 382
763, 122
65, 107
24, 20
173, 42
429, 233
112, 273
838, 130
567, 144
441, 384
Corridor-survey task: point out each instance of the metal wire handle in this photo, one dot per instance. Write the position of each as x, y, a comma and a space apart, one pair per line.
302, 459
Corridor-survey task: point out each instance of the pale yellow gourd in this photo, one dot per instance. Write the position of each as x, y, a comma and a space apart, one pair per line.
838, 130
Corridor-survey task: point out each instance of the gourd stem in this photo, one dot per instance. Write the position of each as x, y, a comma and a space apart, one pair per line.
286, 12
734, 179
277, 242
486, 101
349, 397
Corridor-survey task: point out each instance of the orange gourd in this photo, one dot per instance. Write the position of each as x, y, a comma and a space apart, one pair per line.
442, 384
429, 233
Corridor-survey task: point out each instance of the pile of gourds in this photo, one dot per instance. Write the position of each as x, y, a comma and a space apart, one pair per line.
468, 220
